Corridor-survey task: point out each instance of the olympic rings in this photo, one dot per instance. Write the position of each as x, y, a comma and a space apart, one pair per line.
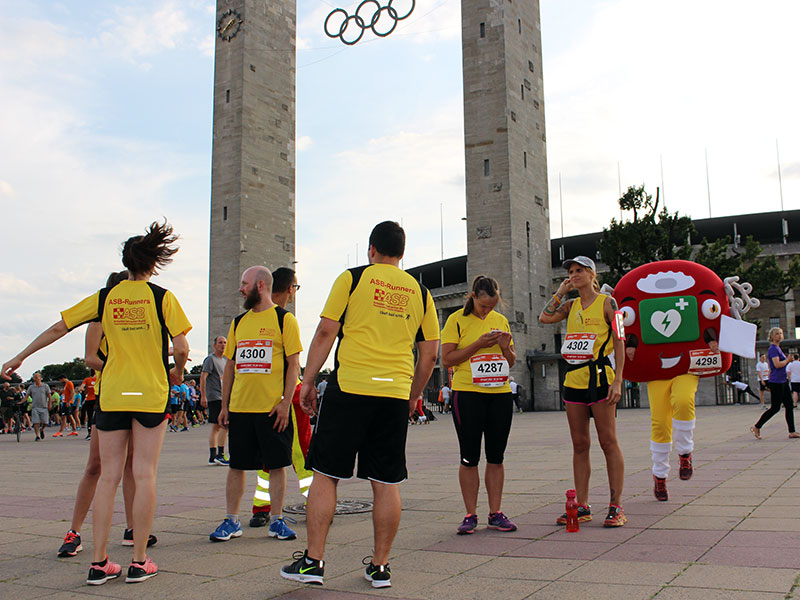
363, 22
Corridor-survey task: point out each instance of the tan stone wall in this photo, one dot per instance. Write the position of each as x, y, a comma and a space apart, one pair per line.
253, 161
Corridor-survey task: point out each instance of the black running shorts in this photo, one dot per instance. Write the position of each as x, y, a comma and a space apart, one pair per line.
213, 411
477, 416
374, 428
123, 419
253, 442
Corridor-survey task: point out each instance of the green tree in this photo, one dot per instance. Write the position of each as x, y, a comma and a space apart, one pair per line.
196, 370
652, 235
74, 369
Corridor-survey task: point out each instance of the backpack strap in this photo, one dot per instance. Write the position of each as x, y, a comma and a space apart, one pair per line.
158, 295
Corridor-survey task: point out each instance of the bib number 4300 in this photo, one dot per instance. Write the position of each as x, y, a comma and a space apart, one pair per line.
254, 356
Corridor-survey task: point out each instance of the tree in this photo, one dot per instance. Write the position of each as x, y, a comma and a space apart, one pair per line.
74, 369
650, 236
654, 235
196, 370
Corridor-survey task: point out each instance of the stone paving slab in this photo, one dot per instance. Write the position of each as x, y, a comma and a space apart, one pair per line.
731, 532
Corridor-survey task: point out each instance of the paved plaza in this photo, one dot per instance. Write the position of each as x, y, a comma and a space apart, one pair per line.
732, 532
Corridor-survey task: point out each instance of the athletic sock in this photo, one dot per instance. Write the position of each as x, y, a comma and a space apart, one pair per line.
102, 563
221, 451
212, 453
234, 518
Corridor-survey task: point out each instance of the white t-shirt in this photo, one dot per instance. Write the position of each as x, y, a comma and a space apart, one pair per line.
445, 394
762, 369
793, 371
513, 385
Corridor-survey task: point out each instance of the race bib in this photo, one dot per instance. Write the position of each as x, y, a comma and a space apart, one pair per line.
254, 356
489, 370
578, 348
704, 362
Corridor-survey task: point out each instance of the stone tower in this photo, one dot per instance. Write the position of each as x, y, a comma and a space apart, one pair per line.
253, 159
508, 229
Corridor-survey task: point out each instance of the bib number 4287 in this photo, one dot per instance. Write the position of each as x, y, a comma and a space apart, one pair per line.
489, 370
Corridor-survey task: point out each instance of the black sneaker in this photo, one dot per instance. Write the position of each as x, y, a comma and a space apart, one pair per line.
304, 569
127, 539
379, 575
71, 545
259, 519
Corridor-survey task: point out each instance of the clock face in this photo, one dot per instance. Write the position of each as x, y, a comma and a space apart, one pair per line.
229, 24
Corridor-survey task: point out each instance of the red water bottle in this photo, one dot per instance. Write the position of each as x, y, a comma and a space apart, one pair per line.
572, 512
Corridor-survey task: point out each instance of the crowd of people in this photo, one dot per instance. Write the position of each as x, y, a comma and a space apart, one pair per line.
251, 393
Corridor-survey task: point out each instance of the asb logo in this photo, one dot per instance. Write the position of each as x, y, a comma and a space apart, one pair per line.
379, 295
119, 313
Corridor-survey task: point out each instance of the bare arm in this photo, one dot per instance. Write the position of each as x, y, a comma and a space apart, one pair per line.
94, 334
426, 361
556, 308
615, 390
180, 352
321, 345
203, 401
778, 363
290, 382
44, 339
227, 385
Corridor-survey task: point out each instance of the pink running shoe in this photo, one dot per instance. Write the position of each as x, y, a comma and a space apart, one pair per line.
99, 575
139, 572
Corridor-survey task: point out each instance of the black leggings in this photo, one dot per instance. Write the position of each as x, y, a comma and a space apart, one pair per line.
779, 394
479, 415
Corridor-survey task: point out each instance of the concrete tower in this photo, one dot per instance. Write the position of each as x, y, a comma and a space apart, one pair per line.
508, 229
253, 160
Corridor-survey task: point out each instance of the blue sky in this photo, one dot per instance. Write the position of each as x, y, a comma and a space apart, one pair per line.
105, 114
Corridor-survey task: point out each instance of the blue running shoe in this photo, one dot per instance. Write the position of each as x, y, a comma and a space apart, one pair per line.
219, 459
226, 530
279, 529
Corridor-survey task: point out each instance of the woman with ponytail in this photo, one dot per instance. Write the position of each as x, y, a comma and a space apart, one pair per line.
138, 319
477, 343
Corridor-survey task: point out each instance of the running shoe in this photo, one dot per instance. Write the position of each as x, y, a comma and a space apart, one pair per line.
616, 517
468, 525
260, 519
185, 429
379, 575
98, 575
212, 462
226, 530
304, 569
221, 460
59, 434
127, 539
500, 522
138, 572
72, 544
685, 470
279, 529
584, 515
660, 488
71, 433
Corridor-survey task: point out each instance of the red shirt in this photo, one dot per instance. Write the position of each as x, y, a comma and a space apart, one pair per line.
89, 385
69, 392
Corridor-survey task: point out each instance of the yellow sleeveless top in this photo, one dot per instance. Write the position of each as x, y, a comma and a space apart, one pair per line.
589, 320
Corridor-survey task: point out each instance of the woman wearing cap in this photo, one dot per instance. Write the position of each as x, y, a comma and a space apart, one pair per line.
592, 387
477, 343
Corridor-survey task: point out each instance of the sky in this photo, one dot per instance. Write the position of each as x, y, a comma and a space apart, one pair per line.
106, 121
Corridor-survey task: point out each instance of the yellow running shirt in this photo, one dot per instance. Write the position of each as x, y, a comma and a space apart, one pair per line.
135, 376
464, 330
258, 348
591, 321
382, 316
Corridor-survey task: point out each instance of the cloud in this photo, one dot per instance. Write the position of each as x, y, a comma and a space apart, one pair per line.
303, 142
12, 285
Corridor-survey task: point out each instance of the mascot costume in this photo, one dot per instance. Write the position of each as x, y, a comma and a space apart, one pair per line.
681, 322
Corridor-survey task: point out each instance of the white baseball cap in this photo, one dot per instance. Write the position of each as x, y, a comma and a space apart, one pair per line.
581, 260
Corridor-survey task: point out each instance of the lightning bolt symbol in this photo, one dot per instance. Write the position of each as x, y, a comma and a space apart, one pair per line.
666, 322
